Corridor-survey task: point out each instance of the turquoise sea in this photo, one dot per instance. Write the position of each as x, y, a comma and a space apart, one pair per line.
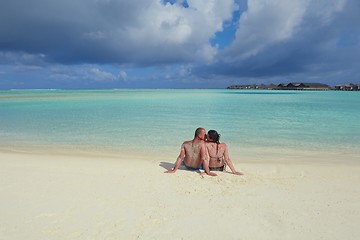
152, 123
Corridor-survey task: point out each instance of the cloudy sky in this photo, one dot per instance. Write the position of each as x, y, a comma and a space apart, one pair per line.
177, 43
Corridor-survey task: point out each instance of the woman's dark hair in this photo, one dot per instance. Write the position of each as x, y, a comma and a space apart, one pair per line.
214, 135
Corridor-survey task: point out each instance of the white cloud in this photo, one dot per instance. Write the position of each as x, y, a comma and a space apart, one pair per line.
85, 73
172, 29
264, 23
298, 39
123, 75
99, 75
87, 41
325, 10
142, 32
22, 58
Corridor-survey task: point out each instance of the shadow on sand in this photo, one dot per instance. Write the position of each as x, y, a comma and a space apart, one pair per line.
168, 166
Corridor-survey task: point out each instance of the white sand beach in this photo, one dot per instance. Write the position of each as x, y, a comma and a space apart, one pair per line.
78, 197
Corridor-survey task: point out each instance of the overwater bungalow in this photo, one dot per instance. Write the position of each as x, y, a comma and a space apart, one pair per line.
302, 86
348, 87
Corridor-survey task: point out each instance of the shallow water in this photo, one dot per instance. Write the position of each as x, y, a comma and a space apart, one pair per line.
155, 122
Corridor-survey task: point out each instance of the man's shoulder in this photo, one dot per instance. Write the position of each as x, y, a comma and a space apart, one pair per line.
187, 142
193, 143
198, 143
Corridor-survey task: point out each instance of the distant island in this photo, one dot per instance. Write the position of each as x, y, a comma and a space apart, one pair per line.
299, 86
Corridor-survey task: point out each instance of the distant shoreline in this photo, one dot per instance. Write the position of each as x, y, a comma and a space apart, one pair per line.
231, 87
298, 87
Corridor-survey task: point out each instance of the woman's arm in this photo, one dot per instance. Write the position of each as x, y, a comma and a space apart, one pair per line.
229, 162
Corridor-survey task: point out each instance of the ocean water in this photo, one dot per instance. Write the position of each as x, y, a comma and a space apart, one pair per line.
154, 123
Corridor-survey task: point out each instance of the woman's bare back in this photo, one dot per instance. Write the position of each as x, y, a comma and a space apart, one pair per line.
217, 154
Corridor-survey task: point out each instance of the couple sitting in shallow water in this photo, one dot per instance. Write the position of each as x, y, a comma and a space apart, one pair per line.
204, 152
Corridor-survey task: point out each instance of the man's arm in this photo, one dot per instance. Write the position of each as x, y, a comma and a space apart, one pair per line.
178, 160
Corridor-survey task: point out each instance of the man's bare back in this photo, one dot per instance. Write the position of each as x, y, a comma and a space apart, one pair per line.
194, 153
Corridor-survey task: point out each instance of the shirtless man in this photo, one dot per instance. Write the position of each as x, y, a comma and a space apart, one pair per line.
193, 154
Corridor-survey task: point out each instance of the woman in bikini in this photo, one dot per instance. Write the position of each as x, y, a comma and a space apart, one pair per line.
218, 153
